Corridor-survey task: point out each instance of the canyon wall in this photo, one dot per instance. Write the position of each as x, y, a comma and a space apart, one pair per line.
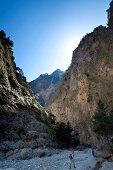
88, 80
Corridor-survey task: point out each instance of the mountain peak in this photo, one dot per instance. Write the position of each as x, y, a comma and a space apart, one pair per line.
45, 84
57, 72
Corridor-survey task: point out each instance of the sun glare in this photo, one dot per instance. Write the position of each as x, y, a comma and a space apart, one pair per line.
70, 46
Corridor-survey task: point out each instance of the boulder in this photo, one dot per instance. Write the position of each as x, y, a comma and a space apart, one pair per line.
106, 154
32, 144
32, 134
41, 142
26, 154
20, 144
9, 153
38, 152
7, 146
14, 156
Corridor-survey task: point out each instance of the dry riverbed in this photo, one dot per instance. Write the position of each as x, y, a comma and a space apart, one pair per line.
84, 161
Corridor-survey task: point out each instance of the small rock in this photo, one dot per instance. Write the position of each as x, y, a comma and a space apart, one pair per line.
9, 153
26, 153
2, 156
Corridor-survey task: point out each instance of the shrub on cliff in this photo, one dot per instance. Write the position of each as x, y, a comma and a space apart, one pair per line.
6, 40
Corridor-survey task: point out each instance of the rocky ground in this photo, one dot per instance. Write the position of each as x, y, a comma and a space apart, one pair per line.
58, 161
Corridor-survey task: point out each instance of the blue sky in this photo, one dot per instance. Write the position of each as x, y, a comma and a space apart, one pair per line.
45, 32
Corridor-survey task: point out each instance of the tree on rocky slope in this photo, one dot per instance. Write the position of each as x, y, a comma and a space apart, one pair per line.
103, 122
63, 134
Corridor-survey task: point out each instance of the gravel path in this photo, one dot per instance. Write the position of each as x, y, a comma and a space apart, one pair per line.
84, 161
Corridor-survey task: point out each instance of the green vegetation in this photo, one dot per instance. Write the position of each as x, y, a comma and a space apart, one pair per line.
20, 71
63, 134
59, 132
6, 40
6, 43
103, 122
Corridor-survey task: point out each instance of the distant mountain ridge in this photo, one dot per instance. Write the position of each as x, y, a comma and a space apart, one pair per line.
45, 85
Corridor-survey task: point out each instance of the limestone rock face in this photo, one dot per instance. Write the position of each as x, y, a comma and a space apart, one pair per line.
14, 90
88, 79
21, 120
45, 85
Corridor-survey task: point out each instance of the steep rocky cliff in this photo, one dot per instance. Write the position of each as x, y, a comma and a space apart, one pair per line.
21, 117
45, 85
14, 90
88, 79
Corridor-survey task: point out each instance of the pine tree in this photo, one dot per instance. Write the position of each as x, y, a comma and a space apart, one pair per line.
63, 134
103, 122
100, 120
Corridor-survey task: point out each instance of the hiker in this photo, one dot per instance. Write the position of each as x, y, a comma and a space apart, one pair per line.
93, 151
71, 160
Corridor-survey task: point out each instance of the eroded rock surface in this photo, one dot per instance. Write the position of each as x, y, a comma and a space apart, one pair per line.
21, 120
88, 80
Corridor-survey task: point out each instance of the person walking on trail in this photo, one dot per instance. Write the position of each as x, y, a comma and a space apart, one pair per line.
93, 151
71, 160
